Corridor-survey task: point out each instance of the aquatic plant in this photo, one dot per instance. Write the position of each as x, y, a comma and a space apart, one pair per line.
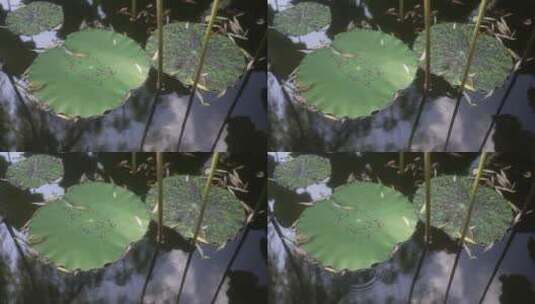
302, 171
182, 204
92, 225
303, 18
371, 63
34, 18
35, 171
333, 231
451, 50
491, 217
91, 73
182, 44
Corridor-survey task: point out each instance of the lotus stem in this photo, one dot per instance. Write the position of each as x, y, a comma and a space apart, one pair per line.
401, 162
159, 176
204, 199
427, 8
159, 17
134, 9
428, 172
134, 162
401, 9
464, 231
471, 53
206, 38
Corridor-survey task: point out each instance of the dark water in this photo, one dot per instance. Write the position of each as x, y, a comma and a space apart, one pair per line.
295, 128
122, 281
29, 128
297, 279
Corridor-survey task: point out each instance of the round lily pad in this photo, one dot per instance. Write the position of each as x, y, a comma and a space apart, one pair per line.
491, 215
224, 61
303, 18
358, 226
35, 171
90, 74
302, 171
34, 18
450, 46
223, 217
359, 74
92, 225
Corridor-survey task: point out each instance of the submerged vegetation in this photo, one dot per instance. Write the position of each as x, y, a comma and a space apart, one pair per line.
35, 171
302, 171
34, 18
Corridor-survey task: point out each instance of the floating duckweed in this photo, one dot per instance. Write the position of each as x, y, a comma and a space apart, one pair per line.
182, 48
92, 73
449, 55
490, 218
358, 226
303, 18
224, 215
92, 225
34, 18
35, 171
302, 171
359, 74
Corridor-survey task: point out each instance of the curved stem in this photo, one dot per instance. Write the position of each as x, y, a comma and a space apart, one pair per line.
467, 69
213, 167
428, 172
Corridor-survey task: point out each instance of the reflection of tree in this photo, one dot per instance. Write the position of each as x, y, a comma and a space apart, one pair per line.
244, 289
516, 289
531, 248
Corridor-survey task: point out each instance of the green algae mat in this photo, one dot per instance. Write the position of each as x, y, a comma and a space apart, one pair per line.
92, 225
34, 18
223, 218
91, 73
491, 217
450, 46
302, 171
358, 226
224, 61
303, 18
358, 74
35, 171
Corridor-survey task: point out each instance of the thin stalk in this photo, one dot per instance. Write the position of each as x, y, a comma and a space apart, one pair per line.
475, 187
509, 89
428, 171
206, 38
134, 9
240, 92
259, 203
417, 274
213, 167
473, 43
159, 20
401, 162
529, 199
159, 176
134, 162
427, 13
401, 9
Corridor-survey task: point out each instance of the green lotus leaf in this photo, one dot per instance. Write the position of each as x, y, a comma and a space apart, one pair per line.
491, 216
92, 73
360, 73
450, 45
35, 171
34, 18
224, 61
223, 218
359, 225
302, 171
92, 225
303, 18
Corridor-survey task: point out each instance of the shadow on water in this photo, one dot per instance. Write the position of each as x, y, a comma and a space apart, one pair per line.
294, 275
122, 280
121, 129
296, 128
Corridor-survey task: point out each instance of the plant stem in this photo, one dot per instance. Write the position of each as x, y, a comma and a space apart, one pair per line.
159, 176
206, 38
159, 12
401, 162
401, 9
213, 167
428, 172
134, 162
475, 187
471, 53
134, 9
427, 8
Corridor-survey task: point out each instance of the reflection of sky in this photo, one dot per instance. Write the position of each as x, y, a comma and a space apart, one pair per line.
14, 4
